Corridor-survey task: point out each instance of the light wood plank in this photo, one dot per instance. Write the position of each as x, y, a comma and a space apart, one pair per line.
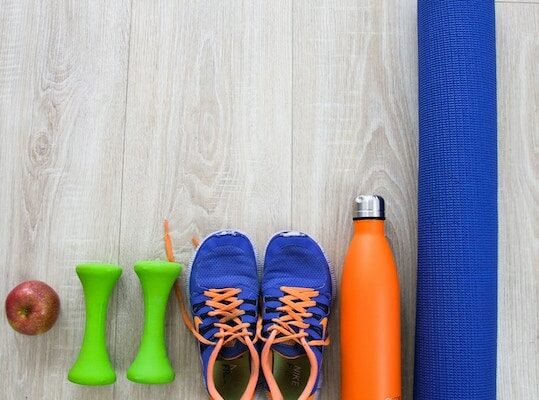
518, 277
355, 131
208, 145
213, 90
517, 2
63, 75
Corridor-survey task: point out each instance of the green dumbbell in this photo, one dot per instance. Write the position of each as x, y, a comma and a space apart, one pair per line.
93, 366
152, 365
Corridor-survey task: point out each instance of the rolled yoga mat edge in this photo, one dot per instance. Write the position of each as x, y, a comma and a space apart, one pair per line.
456, 319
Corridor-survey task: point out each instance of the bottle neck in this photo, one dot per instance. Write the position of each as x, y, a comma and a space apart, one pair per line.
372, 226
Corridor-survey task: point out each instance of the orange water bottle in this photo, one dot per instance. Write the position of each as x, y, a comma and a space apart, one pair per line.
370, 310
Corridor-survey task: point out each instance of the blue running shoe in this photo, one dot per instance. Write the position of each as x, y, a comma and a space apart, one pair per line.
297, 290
223, 292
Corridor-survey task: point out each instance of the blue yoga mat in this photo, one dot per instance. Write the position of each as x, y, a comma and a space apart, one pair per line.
455, 357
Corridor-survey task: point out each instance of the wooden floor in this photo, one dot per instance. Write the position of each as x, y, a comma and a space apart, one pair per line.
254, 115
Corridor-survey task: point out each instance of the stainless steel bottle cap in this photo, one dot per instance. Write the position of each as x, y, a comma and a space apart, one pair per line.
369, 206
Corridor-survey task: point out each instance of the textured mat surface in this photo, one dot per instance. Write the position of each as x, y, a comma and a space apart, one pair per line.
457, 261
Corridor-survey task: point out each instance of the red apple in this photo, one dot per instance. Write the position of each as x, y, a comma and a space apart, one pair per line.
32, 307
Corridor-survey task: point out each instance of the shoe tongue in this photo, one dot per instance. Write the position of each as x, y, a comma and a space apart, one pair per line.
233, 350
289, 349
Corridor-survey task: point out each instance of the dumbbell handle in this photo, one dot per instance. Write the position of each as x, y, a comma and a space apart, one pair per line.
93, 366
152, 365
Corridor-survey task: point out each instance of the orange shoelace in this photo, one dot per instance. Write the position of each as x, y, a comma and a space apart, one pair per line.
295, 302
224, 302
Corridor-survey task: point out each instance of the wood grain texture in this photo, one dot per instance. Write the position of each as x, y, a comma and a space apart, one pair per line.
62, 104
254, 115
208, 145
517, 1
355, 131
518, 279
